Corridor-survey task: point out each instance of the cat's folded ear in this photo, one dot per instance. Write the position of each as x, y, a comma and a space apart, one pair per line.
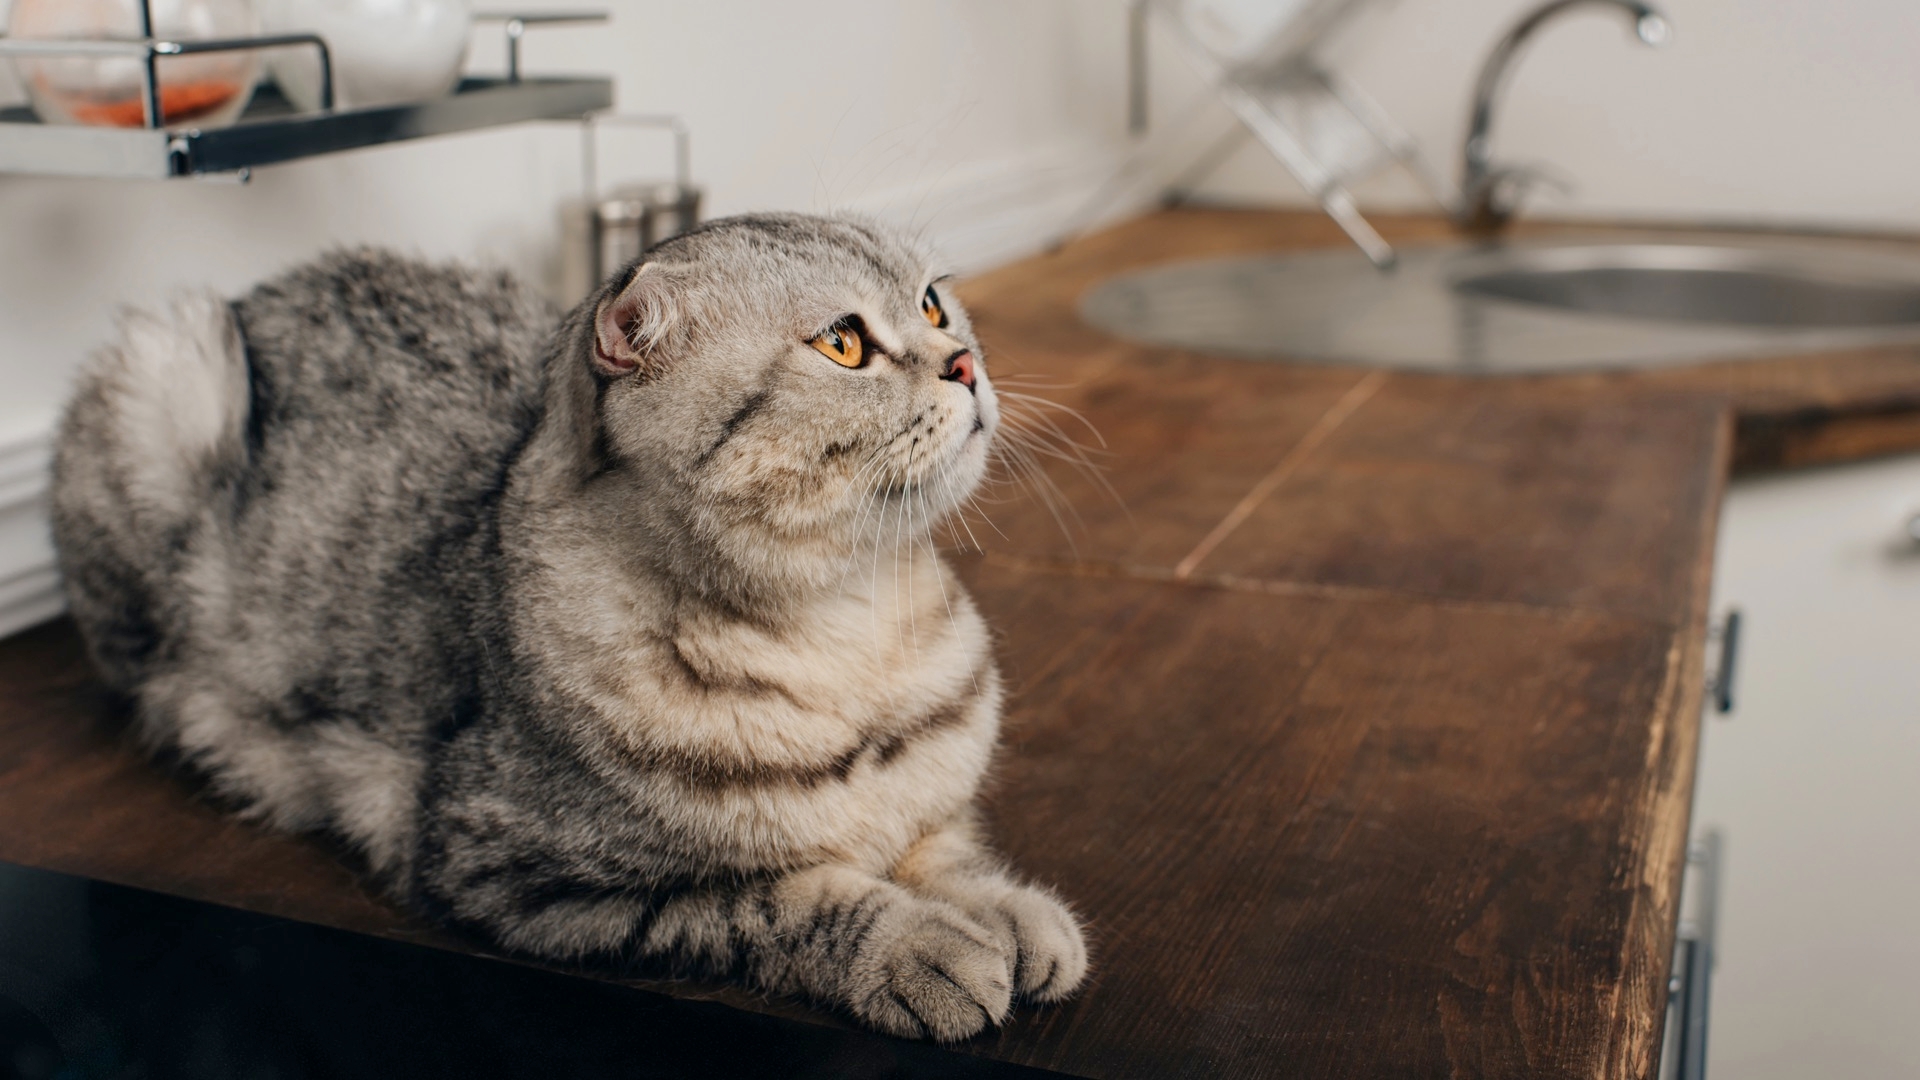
635, 326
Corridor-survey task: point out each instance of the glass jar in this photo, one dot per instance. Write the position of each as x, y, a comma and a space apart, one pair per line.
200, 90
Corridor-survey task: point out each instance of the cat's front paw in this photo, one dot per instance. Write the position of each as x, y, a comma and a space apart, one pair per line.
1050, 948
934, 973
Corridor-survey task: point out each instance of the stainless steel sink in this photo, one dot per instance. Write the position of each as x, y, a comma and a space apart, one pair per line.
1544, 306
1696, 283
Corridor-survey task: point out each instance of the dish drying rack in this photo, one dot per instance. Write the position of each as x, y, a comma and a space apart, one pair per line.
271, 130
1261, 59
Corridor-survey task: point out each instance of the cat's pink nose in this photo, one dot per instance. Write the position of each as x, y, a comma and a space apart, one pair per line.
960, 368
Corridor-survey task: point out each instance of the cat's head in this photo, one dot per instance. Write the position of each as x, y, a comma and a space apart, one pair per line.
804, 380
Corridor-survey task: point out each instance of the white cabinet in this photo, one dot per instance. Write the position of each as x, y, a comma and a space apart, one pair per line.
1815, 779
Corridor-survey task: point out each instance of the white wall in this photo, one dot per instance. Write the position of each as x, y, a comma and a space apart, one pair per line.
1774, 111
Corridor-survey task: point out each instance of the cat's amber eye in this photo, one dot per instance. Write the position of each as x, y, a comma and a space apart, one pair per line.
930, 307
841, 344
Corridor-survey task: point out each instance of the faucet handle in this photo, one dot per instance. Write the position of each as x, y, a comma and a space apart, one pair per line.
1530, 176
1501, 190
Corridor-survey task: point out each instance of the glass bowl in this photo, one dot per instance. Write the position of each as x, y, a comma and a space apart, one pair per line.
385, 52
201, 90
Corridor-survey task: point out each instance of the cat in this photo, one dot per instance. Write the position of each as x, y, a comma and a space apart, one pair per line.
618, 643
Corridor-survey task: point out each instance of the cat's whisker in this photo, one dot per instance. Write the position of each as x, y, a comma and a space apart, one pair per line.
1036, 406
1030, 381
871, 504
899, 529
1040, 447
961, 508
939, 572
957, 517
903, 543
1020, 467
1008, 468
1037, 481
1048, 439
1042, 406
973, 506
945, 474
879, 534
1036, 424
1001, 484
872, 510
1045, 442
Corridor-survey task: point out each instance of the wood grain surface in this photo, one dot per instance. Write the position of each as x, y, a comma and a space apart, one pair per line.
1470, 492
1356, 711
1333, 835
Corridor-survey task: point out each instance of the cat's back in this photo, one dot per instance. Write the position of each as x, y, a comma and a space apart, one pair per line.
287, 483
366, 349
388, 399
275, 519
386, 396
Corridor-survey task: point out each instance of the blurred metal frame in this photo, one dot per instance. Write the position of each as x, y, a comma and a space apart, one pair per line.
605, 230
1319, 125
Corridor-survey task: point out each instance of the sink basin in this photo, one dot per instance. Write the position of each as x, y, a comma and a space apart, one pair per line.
1691, 283
1530, 307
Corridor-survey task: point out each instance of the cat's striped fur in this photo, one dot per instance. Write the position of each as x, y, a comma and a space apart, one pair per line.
621, 643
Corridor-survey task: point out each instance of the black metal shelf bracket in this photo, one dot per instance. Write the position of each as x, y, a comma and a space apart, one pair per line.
270, 131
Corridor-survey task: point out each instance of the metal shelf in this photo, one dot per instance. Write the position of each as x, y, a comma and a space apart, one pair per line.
270, 131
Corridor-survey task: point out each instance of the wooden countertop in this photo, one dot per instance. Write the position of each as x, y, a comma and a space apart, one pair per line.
1361, 725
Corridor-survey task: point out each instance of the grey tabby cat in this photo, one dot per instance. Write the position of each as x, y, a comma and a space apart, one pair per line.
624, 643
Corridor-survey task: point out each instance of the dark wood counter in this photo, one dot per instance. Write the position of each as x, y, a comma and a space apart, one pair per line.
1361, 725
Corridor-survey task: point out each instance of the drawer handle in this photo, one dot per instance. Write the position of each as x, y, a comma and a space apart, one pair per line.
1690, 989
1720, 687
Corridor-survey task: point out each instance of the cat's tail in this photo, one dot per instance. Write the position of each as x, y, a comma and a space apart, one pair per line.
144, 470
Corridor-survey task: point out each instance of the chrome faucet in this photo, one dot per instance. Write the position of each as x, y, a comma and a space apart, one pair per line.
1490, 196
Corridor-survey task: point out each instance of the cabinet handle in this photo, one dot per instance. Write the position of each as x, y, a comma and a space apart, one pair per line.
1690, 990
1720, 689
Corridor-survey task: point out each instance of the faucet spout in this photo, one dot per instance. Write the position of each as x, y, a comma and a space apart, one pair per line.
1490, 196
